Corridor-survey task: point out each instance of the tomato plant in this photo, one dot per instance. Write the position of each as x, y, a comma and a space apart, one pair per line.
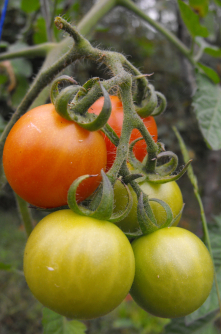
78, 266
168, 192
116, 122
173, 272
45, 153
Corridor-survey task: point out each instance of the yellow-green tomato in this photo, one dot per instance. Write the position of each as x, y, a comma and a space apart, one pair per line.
77, 266
173, 272
168, 192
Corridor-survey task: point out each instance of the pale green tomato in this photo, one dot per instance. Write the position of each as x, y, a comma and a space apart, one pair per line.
173, 272
78, 266
168, 192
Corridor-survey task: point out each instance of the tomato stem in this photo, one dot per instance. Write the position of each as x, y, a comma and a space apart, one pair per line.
25, 214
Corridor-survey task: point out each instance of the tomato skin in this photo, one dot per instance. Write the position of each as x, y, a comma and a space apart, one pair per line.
173, 272
78, 266
44, 154
168, 192
116, 122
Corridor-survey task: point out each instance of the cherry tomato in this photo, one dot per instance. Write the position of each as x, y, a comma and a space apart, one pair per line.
45, 153
173, 272
167, 192
78, 266
116, 122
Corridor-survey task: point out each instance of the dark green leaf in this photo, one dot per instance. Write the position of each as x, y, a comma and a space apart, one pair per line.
30, 6
179, 326
54, 323
210, 73
191, 20
22, 67
213, 51
200, 6
3, 79
207, 106
4, 266
20, 91
40, 35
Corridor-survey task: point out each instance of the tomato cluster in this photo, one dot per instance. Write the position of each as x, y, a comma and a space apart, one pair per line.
82, 267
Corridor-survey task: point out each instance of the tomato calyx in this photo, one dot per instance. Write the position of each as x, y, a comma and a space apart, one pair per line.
67, 103
101, 204
146, 218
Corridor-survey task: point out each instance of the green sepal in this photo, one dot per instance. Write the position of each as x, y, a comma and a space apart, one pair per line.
91, 122
154, 178
62, 100
145, 216
149, 104
162, 104
103, 198
118, 217
168, 210
54, 87
136, 164
111, 134
133, 235
169, 167
87, 86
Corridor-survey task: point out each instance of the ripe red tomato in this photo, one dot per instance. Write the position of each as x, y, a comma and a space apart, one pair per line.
45, 153
173, 272
116, 122
78, 266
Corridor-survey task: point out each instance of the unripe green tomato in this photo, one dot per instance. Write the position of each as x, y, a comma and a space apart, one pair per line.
168, 192
77, 266
173, 272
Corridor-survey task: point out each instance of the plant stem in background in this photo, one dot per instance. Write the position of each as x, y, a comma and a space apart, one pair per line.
25, 214
193, 180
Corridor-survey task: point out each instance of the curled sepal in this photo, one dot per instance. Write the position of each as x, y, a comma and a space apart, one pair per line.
116, 217
111, 134
169, 214
162, 104
62, 100
104, 199
92, 122
154, 178
169, 167
87, 86
55, 86
136, 164
145, 215
149, 104
133, 235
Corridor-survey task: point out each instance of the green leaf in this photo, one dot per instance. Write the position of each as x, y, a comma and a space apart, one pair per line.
197, 327
3, 79
40, 35
200, 6
207, 106
30, 6
54, 323
213, 51
20, 91
22, 67
191, 20
210, 73
4, 266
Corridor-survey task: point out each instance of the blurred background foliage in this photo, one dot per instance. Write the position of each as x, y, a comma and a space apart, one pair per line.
122, 31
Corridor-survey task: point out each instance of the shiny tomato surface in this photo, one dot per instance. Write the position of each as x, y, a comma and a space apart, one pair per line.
173, 272
78, 266
44, 154
116, 122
